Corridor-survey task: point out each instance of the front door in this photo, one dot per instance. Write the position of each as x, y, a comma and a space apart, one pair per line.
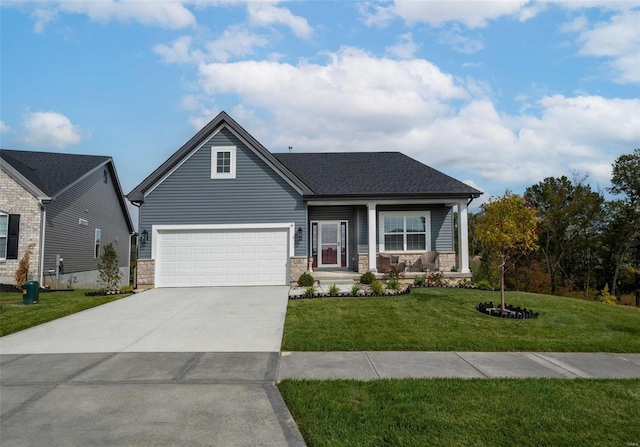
330, 246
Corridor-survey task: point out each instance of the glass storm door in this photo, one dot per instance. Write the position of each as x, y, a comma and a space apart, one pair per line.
329, 244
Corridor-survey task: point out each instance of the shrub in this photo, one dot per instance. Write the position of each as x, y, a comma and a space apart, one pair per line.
355, 289
22, 272
367, 278
435, 278
419, 280
333, 290
393, 284
606, 297
394, 272
126, 289
376, 287
306, 280
109, 273
309, 292
484, 285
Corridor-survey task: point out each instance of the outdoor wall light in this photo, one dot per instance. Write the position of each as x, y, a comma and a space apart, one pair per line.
299, 235
144, 237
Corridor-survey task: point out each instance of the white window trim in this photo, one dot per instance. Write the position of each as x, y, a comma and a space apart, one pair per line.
214, 162
427, 223
3, 256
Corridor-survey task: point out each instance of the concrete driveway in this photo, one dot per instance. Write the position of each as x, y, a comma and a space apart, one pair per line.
208, 319
167, 367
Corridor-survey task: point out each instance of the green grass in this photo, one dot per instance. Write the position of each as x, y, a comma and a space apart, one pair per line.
439, 319
459, 412
14, 316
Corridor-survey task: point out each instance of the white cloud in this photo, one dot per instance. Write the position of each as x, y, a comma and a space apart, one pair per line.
405, 48
266, 14
4, 127
42, 16
473, 14
51, 129
235, 41
356, 101
178, 52
459, 42
617, 39
172, 15
352, 90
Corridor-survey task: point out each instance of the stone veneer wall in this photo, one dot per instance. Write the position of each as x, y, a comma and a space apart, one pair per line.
363, 262
298, 265
14, 199
446, 260
145, 271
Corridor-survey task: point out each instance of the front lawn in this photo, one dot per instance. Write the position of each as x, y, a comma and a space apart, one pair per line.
456, 412
14, 316
440, 319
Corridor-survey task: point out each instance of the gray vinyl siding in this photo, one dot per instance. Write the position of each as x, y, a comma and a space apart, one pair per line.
340, 213
441, 224
190, 196
96, 202
363, 229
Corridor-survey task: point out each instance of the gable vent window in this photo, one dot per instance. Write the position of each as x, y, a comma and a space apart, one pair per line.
105, 176
223, 162
9, 232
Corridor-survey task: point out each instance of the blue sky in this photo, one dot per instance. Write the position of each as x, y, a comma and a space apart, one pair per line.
497, 94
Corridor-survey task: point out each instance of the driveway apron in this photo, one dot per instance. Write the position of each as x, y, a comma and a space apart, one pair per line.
166, 367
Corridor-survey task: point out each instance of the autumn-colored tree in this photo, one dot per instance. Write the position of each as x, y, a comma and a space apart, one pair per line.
22, 272
507, 225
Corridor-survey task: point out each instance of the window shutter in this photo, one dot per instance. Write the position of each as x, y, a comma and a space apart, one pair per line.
12, 236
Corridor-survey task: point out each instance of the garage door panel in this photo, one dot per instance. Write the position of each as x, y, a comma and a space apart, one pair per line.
218, 257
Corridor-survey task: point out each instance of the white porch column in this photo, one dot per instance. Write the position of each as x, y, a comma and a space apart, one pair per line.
371, 209
463, 237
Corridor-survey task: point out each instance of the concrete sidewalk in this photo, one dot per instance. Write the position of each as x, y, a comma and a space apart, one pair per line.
401, 365
145, 399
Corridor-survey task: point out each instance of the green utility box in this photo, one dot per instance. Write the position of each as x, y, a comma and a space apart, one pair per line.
30, 292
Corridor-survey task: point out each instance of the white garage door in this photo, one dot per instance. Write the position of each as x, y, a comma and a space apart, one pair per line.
193, 258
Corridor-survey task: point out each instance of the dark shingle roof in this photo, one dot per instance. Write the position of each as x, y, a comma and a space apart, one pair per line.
371, 174
51, 172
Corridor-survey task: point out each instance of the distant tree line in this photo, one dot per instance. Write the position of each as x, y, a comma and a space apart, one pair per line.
586, 245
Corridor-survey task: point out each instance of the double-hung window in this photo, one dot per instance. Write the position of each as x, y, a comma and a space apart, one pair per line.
9, 231
405, 231
223, 162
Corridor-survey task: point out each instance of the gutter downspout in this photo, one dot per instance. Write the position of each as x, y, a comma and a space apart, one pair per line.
44, 224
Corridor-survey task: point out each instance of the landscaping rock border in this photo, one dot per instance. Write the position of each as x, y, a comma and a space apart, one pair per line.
361, 294
509, 312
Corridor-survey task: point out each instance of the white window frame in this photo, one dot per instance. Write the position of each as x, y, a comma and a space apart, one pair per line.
3, 255
214, 162
405, 214
97, 243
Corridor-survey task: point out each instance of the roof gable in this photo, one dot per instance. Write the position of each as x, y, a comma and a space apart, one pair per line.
371, 174
52, 172
219, 122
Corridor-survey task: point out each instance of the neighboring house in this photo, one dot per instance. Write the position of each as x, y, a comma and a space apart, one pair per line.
68, 207
223, 210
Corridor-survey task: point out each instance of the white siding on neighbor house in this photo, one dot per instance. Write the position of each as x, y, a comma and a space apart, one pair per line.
189, 196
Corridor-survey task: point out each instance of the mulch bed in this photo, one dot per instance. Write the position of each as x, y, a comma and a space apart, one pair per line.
509, 311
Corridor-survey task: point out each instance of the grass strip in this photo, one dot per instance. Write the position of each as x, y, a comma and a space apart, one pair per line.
439, 319
14, 316
466, 412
